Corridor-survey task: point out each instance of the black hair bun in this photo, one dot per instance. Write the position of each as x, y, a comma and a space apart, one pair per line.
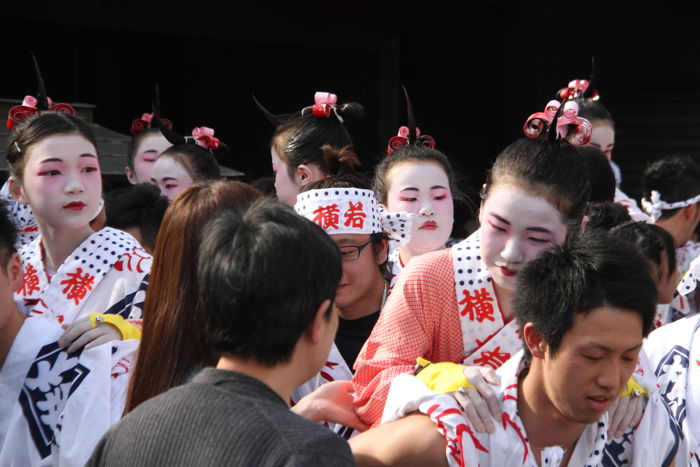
351, 111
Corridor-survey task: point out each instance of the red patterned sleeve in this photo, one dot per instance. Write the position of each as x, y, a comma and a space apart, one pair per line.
419, 320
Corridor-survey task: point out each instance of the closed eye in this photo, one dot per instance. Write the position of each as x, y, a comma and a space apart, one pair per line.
408, 199
499, 229
590, 357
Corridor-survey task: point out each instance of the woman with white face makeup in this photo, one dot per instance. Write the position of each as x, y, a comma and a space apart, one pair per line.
418, 180
190, 160
455, 305
602, 134
77, 276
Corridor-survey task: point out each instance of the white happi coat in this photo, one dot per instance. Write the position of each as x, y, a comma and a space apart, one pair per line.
674, 352
653, 442
107, 273
55, 406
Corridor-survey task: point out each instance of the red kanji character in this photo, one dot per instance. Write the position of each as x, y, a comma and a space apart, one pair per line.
479, 306
327, 216
77, 285
493, 359
355, 215
30, 282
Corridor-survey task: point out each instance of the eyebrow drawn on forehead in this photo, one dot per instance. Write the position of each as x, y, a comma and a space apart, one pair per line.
58, 159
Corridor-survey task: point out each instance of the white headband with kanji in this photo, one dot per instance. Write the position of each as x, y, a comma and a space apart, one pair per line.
352, 211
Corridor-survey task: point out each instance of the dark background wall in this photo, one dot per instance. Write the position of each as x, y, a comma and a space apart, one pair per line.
475, 70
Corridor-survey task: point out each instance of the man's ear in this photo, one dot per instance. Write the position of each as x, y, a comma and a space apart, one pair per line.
319, 325
14, 272
382, 253
16, 191
534, 341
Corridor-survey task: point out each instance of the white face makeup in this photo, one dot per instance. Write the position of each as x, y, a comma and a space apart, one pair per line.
516, 225
171, 177
147, 153
286, 188
422, 188
62, 182
603, 137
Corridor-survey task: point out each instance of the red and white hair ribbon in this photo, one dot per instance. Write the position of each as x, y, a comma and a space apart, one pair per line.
535, 124
204, 137
324, 104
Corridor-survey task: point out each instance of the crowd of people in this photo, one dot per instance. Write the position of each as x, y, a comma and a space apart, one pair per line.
333, 320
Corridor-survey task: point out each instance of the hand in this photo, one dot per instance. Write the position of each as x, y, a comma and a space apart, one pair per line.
480, 403
625, 414
331, 402
81, 334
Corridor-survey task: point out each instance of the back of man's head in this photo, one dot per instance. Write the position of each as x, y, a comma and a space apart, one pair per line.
8, 236
676, 178
262, 277
595, 270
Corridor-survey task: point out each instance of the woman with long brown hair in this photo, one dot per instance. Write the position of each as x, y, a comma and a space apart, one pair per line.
174, 347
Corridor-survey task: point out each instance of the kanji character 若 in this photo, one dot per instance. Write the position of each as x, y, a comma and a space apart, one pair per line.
355, 216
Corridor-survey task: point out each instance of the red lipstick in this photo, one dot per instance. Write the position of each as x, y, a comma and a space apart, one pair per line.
429, 225
75, 206
508, 272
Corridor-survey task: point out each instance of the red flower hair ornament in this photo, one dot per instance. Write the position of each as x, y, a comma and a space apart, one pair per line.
144, 123
568, 116
30, 106
403, 138
577, 88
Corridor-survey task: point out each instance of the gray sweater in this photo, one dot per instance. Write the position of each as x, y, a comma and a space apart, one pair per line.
220, 418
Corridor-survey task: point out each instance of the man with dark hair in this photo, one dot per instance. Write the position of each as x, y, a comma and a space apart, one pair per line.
361, 235
270, 315
138, 210
584, 311
671, 189
54, 405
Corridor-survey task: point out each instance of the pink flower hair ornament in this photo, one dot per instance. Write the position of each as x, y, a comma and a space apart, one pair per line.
403, 138
535, 124
30, 106
144, 123
204, 137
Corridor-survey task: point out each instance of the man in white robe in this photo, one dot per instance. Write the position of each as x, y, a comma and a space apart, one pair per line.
584, 310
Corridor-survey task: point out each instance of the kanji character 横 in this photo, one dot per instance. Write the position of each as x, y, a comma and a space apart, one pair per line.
478, 306
355, 216
77, 285
494, 358
327, 216
31, 281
